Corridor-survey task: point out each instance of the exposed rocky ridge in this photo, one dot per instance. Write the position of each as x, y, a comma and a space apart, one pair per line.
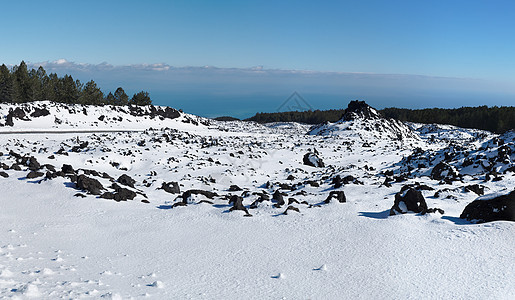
361, 120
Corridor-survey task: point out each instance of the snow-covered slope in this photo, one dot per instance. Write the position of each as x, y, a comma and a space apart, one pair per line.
51, 116
250, 219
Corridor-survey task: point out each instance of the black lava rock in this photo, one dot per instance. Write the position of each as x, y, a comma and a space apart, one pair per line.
291, 208
278, 197
90, 185
409, 200
476, 188
40, 112
443, 171
67, 169
126, 180
171, 187
501, 208
33, 164
312, 159
34, 174
358, 108
338, 195
234, 188
120, 194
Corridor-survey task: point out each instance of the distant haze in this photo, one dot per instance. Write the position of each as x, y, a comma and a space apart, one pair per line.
242, 92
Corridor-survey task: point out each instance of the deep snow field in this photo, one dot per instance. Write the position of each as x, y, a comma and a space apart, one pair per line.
60, 241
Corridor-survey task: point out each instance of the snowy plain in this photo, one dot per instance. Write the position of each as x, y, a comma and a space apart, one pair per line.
54, 244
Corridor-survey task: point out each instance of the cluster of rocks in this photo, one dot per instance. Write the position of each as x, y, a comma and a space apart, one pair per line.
493, 160
23, 114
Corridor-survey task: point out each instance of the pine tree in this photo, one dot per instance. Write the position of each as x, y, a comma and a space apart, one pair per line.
109, 99
68, 91
91, 94
22, 84
120, 97
141, 98
6, 85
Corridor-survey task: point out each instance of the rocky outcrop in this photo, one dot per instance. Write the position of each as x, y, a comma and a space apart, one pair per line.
312, 159
88, 184
171, 187
409, 200
500, 208
338, 195
444, 171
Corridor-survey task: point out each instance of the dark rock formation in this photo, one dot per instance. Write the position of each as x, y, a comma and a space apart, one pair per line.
476, 188
40, 112
126, 180
409, 200
312, 159
33, 164
338, 195
34, 174
278, 197
501, 208
67, 169
90, 185
234, 188
119, 194
171, 187
444, 171
358, 108
291, 208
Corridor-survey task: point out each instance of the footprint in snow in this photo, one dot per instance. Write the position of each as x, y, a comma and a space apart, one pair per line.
157, 284
322, 268
58, 258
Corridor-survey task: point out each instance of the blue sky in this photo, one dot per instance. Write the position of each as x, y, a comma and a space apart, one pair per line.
468, 40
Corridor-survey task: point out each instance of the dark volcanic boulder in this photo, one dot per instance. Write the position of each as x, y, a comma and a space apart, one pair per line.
476, 188
9, 120
17, 113
40, 112
409, 200
237, 204
67, 169
120, 194
3, 174
187, 195
278, 197
90, 185
312, 159
444, 171
34, 174
337, 181
338, 195
291, 208
33, 164
501, 208
234, 188
171, 187
126, 180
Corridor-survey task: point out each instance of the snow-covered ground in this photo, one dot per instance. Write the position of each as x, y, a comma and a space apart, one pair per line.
57, 241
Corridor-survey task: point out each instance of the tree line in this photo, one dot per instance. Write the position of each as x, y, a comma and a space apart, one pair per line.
494, 119
20, 85
307, 117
